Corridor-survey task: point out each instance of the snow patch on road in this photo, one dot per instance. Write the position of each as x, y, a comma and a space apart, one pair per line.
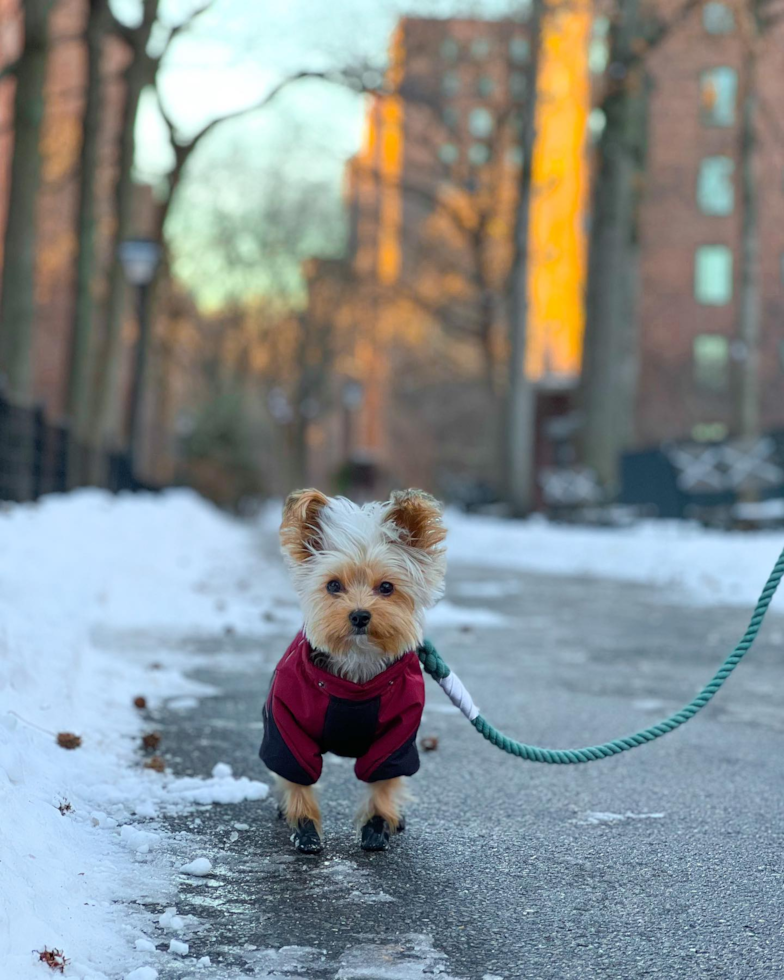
698, 565
446, 614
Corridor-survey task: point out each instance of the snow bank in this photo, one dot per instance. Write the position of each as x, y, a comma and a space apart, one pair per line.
698, 565
72, 840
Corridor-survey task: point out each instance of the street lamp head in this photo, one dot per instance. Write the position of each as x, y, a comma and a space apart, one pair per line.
139, 258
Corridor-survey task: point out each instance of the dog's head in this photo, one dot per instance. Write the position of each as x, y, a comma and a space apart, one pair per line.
364, 575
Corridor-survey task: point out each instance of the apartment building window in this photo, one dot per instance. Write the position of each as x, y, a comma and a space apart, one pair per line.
478, 154
717, 18
515, 155
450, 49
715, 186
597, 121
713, 275
480, 123
448, 154
718, 94
450, 84
480, 48
518, 84
599, 47
485, 86
711, 361
519, 50
451, 117
709, 432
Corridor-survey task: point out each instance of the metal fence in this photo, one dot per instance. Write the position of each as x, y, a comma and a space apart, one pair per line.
39, 457
723, 482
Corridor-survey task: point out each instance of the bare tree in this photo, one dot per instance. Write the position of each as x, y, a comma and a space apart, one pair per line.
757, 18
105, 407
521, 400
17, 301
78, 392
610, 350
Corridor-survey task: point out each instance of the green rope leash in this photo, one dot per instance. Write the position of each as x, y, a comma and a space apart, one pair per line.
434, 665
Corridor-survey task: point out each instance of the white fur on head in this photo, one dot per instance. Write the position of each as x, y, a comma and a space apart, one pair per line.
398, 540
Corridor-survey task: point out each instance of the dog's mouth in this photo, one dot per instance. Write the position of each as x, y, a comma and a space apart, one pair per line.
360, 631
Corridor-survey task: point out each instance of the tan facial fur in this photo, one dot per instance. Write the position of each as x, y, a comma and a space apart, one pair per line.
397, 541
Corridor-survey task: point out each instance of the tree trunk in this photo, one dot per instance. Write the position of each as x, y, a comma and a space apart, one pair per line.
81, 339
17, 301
609, 373
749, 325
521, 396
106, 414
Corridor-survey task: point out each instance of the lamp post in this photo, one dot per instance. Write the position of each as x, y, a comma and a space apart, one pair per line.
139, 258
351, 396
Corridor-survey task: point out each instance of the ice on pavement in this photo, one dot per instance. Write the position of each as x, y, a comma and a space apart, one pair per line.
602, 816
170, 921
142, 973
412, 957
198, 868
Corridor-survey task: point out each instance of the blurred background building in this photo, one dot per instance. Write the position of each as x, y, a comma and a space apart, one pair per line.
369, 343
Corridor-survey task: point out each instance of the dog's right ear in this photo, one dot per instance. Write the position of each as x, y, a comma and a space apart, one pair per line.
300, 531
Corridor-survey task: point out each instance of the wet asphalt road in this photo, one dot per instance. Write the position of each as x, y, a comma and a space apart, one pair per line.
509, 869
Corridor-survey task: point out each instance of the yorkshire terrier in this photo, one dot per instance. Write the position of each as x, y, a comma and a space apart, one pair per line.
350, 683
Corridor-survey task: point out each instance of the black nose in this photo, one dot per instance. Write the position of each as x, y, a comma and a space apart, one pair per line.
359, 618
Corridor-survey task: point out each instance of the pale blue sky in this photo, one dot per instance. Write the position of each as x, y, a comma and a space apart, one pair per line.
235, 53
238, 49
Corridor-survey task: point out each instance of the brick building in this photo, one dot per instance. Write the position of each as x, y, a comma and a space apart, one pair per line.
690, 231
446, 137
60, 149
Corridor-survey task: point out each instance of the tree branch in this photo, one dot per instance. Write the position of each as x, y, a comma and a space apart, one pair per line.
177, 29
9, 69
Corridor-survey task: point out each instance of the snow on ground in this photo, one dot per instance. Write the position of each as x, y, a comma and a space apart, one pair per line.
697, 565
76, 823
79, 831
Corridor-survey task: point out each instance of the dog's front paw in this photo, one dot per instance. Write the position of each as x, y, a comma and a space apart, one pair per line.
375, 835
306, 838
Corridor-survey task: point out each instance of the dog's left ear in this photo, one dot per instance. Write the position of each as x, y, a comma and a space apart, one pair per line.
418, 517
300, 530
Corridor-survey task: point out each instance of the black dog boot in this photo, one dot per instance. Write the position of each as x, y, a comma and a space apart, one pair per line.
375, 835
306, 838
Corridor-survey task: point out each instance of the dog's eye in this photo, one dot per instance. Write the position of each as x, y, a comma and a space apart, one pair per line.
334, 586
386, 588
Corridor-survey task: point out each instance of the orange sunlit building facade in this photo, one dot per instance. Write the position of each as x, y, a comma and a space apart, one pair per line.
437, 177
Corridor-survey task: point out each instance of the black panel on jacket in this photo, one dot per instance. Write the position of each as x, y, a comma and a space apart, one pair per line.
404, 762
277, 756
350, 726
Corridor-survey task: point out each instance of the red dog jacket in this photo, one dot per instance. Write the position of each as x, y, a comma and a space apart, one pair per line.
310, 711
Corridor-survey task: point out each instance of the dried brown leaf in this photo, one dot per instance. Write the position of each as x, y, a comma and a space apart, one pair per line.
157, 763
151, 740
67, 740
54, 958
